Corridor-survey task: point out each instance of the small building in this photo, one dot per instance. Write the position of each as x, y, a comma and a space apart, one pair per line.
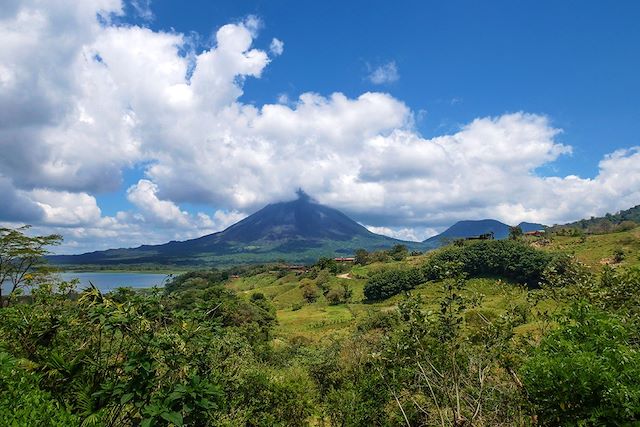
536, 233
344, 259
296, 268
485, 236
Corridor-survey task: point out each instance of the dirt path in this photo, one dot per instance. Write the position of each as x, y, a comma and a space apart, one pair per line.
344, 276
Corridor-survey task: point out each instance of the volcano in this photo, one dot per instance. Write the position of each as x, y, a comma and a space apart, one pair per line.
301, 230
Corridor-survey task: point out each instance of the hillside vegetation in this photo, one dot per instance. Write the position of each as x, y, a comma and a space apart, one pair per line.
619, 221
621, 248
536, 331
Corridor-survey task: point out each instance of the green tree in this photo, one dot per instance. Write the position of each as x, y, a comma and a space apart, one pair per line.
504, 258
515, 233
22, 258
330, 264
398, 252
339, 295
310, 292
362, 257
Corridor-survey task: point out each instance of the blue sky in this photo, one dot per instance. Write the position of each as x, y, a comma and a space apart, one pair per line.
408, 116
576, 61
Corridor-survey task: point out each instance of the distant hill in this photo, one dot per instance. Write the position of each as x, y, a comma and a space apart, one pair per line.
296, 231
464, 229
607, 223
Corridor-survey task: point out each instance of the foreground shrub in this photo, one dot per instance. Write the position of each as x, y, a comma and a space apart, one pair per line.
426, 368
587, 372
23, 403
145, 358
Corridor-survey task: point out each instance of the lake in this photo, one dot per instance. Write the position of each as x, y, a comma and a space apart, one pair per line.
109, 281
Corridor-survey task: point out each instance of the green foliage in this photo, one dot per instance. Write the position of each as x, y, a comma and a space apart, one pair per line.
386, 283
22, 261
323, 281
328, 264
621, 221
618, 255
587, 372
379, 256
381, 320
145, 358
339, 295
361, 257
417, 367
196, 279
515, 233
619, 290
452, 352
310, 292
564, 271
398, 252
23, 403
502, 258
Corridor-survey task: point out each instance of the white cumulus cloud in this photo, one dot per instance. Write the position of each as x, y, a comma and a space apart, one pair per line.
144, 196
82, 99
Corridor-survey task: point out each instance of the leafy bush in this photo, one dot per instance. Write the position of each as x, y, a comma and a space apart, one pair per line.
618, 255
619, 290
310, 292
587, 372
323, 280
339, 295
362, 257
387, 283
503, 258
398, 252
141, 358
23, 403
328, 264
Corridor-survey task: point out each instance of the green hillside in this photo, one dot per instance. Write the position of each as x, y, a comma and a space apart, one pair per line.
596, 250
619, 221
318, 319
494, 332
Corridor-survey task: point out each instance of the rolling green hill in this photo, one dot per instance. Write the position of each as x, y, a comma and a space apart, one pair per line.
318, 319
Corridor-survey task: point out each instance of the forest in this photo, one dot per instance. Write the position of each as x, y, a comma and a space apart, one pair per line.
519, 332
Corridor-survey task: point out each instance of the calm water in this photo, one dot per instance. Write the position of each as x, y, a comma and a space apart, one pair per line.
109, 281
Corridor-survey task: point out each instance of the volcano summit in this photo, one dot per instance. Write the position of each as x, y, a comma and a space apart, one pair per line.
301, 230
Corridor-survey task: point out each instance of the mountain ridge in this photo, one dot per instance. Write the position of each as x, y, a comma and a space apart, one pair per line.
300, 230
470, 228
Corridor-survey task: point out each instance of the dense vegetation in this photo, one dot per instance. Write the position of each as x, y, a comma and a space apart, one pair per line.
620, 221
387, 283
483, 334
509, 259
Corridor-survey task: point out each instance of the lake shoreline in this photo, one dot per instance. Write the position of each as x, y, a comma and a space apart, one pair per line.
107, 281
